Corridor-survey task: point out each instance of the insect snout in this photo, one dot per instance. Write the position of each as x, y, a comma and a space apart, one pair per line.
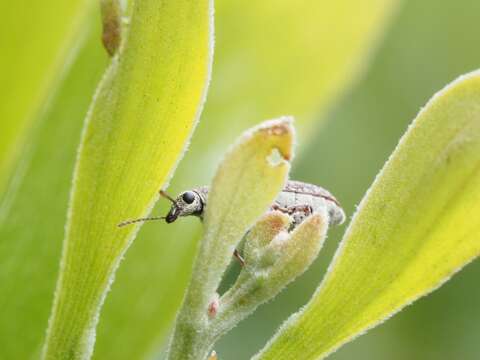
172, 214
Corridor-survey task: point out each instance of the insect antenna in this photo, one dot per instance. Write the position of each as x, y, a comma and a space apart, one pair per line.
128, 222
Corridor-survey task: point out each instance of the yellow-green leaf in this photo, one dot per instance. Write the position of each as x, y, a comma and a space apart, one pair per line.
142, 115
416, 227
32, 215
39, 41
273, 259
246, 183
257, 75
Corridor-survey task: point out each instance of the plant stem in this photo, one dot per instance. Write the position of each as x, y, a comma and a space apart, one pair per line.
189, 343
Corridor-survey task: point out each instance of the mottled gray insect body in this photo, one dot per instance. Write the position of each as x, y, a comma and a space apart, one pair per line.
298, 199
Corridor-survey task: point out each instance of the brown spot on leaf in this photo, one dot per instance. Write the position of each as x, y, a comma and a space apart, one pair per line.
111, 22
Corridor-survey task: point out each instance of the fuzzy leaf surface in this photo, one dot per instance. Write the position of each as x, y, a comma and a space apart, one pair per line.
245, 185
417, 225
140, 120
285, 60
271, 267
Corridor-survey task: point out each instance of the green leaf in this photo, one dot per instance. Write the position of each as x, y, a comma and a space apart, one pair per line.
295, 253
32, 216
262, 234
273, 258
255, 77
416, 227
39, 44
142, 115
245, 185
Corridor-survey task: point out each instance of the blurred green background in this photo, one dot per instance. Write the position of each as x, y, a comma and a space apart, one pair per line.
428, 44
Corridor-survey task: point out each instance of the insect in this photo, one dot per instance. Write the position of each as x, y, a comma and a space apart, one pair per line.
297, 199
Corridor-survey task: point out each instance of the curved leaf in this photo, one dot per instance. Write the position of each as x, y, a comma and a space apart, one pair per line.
142, 115
245, 185
271, 58
416, 227
273, 258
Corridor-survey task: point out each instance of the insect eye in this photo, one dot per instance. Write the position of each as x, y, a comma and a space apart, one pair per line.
188, 197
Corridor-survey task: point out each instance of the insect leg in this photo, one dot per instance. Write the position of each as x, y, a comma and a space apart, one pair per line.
306, 209
299, 213
163, 194
239, 257
280, 208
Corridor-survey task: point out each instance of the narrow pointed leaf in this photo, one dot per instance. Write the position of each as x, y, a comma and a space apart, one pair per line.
254, 78
416, 227
247, 182
265, 229
298, 251
245, 185
142, 115
286, 257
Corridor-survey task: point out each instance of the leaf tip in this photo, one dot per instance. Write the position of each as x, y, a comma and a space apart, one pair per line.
282, 134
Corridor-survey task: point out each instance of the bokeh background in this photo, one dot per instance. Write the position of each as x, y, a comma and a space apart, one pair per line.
425, 45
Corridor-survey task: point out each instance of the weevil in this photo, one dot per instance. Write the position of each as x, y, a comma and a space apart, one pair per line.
297, 199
